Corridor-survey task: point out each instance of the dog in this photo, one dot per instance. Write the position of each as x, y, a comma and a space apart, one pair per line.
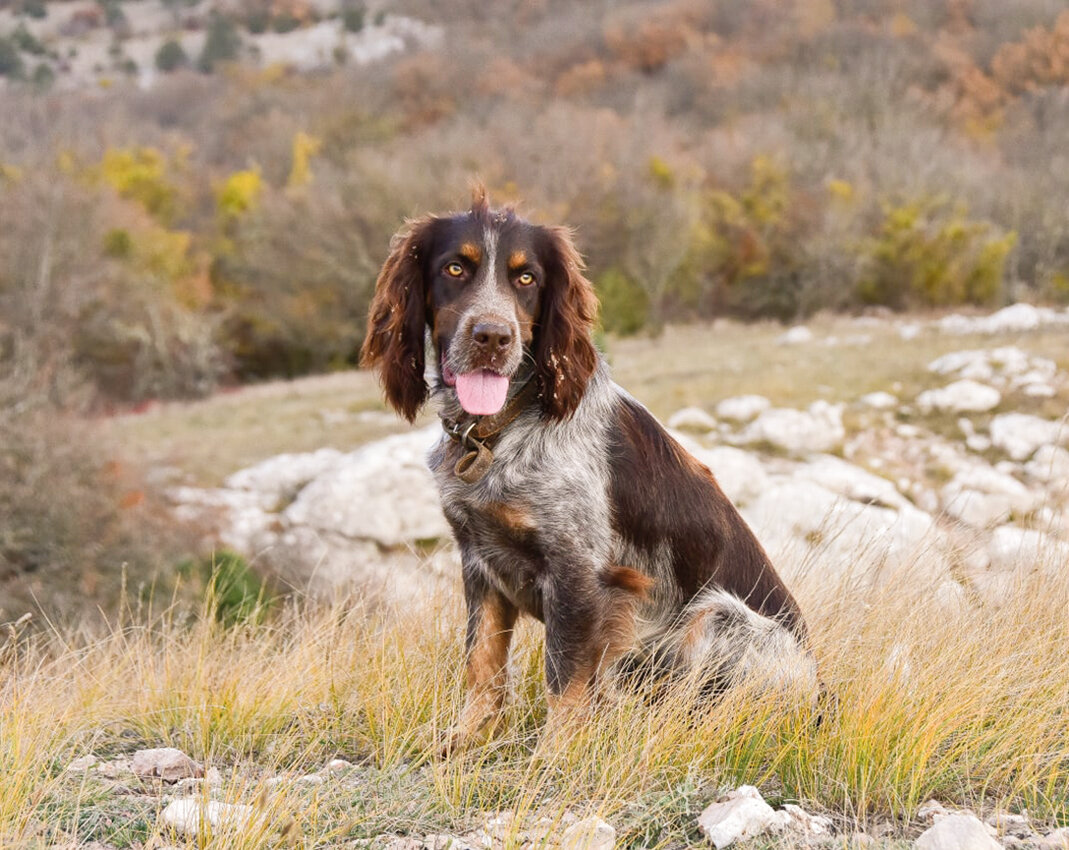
568, 501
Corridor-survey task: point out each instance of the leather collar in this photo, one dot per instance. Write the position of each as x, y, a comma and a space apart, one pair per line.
478, 433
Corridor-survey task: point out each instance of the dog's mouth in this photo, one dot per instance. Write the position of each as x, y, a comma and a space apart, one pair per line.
481, 392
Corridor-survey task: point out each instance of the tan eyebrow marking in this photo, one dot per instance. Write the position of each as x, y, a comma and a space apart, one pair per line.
470, 251
517, 259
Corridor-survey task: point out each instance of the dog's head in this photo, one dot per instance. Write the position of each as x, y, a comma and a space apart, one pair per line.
501, 297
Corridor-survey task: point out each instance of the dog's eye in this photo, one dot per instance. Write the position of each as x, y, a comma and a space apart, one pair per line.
455, 270
525, 279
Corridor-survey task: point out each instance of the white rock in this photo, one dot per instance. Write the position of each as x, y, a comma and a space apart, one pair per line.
692, 419
82, 764
743, 814
1017, 317
739, 474
383, 492
279, 478
930, 810
908, 331
851, 481
1050, 464
879, 401
1057, 840
588, 834
1039, 390
959, 397
958, 361
982, 496
800, 522
1019, 434
798, 819
818, 429
956, 832
166, 763
742, 408
1013, 548
798, 335
338, 766
191, 815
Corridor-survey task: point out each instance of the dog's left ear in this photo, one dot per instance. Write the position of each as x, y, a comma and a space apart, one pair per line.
565, 356
397, 320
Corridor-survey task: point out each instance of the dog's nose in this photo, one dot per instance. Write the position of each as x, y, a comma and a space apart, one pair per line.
491, 336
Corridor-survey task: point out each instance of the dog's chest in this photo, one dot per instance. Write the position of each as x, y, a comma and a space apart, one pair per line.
534, 515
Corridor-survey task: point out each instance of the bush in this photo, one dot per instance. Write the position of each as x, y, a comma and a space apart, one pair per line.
26, 41
929, 253
233, 593
624, 303
354, 18
35, 9
222, 44
10, 60
171, 56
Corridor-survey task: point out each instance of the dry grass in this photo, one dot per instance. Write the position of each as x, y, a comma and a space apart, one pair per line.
965, 705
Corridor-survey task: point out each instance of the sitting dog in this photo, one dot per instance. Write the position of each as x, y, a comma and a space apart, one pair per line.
569, 502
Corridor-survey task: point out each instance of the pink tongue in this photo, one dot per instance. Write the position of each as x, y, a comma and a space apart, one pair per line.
482, 393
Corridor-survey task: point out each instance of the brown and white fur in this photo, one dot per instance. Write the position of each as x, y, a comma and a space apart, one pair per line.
591, 517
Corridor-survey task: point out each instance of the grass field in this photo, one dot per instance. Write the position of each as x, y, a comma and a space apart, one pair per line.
968, 706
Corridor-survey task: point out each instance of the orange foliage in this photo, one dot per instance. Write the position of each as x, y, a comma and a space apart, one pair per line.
580, 79
652, 40
1040, 59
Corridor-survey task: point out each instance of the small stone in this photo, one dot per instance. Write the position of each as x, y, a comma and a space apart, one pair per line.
588, 834
82, 764
798, 335
964, 396
1007, 824
337, 766
879, 401
692, 419
189, 816
741, 815
1057, 840
434, 841
931, 809
116, 768
742, 408
956, 832
800, 820
166, 763
1020, 435
310, 779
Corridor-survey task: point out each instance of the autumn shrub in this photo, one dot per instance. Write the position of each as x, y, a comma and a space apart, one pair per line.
927, 252
221, 45
11, 64
171, 56
624, 304
295, 281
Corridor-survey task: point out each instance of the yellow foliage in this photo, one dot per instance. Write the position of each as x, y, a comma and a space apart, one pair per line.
902, 25
305, 146
928, 254
239, 193
140, 174
661, 173
10, 173
841, 190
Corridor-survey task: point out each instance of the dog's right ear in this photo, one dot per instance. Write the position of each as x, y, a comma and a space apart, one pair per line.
397, 320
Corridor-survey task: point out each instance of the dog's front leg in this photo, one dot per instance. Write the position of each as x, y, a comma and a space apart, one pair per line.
491, 618
573, 643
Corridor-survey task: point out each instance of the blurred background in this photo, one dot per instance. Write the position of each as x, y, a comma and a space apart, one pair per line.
197, 195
